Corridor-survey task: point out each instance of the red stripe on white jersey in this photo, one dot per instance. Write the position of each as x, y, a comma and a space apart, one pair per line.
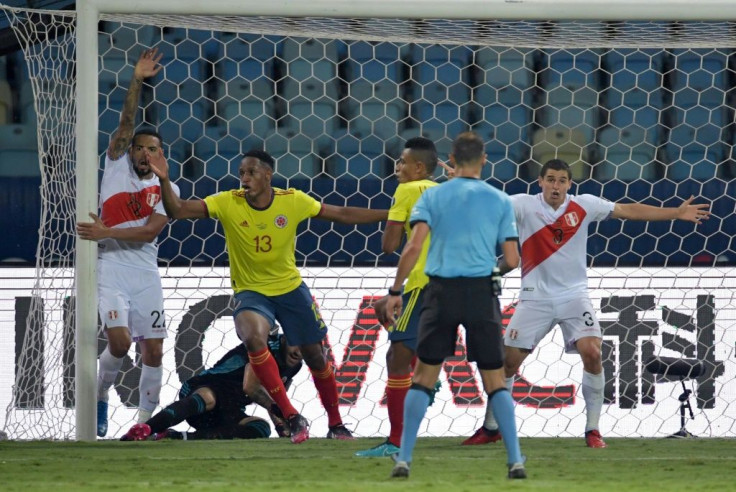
550, 238
130, 206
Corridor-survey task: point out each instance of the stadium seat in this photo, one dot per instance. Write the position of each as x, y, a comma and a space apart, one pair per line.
296, 155
242, 46
374, 62
19, 151
359, 156
634, 68
311, 49
248, 117
510, 67
561, 143
118, 41
628, 154
249, 69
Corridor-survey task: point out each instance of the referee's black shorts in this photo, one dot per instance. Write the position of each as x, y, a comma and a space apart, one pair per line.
467, 301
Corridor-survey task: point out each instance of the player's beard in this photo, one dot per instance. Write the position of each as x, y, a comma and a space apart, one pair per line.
142, 170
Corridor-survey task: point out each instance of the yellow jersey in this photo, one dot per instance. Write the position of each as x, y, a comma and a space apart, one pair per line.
261, 242
405, 196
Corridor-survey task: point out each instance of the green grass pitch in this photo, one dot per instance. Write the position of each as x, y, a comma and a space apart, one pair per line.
440, 464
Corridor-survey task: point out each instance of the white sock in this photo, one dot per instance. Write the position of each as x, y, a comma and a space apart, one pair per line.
490, 421
109, 366
150, 389
593, 385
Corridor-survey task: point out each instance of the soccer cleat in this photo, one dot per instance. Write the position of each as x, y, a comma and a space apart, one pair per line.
166, 434
101, 418
139, 432
482, 436
517, 470
383, 449
593, 439
299, 428
340, 432
400, 470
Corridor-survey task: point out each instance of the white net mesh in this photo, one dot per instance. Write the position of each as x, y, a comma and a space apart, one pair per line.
646, 115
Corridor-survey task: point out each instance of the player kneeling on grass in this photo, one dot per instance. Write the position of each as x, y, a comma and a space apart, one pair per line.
213, 401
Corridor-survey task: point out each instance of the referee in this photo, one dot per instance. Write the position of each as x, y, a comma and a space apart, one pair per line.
468, 219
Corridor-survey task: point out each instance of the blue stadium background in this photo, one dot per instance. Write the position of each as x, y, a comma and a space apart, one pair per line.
679, 155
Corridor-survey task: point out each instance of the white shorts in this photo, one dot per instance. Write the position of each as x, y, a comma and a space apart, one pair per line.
532, 320
132, 298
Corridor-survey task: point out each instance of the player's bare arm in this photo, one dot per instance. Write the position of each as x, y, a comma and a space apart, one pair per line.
392, 236
96, 230
256, 392
351, 215
510, 259
687, 211
408, 259
147, 66
175, 207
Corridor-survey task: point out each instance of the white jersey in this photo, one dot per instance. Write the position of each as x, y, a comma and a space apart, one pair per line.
554, 244
128, 201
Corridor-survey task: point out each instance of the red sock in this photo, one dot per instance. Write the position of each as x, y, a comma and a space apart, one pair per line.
265, 367
396, 389
326, 386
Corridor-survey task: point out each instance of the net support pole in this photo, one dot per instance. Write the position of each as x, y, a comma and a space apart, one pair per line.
86, 251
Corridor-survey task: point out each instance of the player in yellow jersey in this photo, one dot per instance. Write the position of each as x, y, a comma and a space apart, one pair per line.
260, 224
414, 171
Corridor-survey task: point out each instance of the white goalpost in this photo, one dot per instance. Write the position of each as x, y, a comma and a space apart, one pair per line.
635, 95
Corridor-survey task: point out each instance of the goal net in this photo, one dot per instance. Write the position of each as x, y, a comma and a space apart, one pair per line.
643, 111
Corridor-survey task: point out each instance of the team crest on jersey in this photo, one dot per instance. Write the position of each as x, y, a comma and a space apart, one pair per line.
280, 221
572, 219
152, 199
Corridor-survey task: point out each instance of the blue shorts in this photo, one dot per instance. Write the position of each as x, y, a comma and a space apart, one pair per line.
406, 328
296, 312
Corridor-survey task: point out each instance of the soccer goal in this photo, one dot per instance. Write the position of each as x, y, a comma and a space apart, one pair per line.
643, 110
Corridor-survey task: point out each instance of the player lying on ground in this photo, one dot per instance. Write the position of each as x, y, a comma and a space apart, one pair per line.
214, 400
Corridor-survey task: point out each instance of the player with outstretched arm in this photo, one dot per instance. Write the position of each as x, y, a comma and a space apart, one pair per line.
260, 224
553, 231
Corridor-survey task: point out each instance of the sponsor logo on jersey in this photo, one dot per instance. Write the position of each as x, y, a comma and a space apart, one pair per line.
245, 224
112, 315
513, 334
280, 221
261, 226
572, 219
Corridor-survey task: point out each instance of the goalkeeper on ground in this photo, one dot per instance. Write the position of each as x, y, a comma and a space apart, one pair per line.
213, 401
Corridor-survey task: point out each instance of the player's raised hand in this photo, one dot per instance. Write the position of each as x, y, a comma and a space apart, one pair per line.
448, 168
158, 164
693, 213
93, 231
148, 64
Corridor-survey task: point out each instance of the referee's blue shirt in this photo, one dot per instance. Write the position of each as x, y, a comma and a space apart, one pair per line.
468, 218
